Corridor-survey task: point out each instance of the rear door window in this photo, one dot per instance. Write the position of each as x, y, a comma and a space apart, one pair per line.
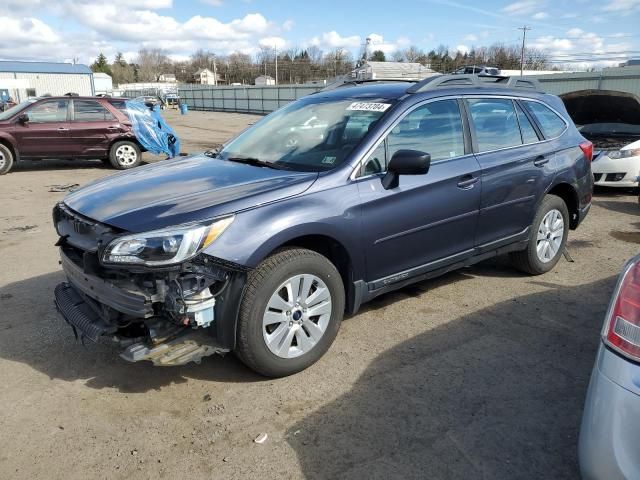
495, 123
50, 111
90, 111
550, 123
529, 134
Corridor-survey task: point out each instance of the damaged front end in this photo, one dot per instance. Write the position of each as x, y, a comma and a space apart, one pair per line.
155, 295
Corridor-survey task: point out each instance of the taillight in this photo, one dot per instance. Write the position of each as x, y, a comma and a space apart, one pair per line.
622, 329
587, 149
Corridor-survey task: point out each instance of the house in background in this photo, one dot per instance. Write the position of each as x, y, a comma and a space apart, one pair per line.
264, 80
204, 76
167, 78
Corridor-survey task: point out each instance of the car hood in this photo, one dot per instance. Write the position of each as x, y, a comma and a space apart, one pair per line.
190, 189
602, 106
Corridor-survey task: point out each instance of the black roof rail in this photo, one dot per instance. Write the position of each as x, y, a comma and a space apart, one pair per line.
352, 82
469, 80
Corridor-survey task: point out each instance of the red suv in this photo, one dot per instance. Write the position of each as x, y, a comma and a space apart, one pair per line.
68, 127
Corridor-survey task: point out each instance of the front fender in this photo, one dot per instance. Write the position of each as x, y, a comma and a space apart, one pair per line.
257, 232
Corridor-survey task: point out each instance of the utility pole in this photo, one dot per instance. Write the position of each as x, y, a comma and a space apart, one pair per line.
275, 48
524, 36
215, 72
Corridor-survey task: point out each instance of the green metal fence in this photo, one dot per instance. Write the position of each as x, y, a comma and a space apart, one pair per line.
242, 99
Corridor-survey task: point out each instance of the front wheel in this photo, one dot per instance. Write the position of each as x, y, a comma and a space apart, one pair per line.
547, 238
290, 313
124, 155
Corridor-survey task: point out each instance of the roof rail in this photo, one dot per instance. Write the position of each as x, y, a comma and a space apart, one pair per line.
351, 82
467, 80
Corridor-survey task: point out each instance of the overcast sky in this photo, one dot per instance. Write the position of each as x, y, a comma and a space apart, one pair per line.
59, 30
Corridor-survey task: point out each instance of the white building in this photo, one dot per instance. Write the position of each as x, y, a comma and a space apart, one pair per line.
263, 80
21, 80
204, 76
167, 78
102, 83
391, 70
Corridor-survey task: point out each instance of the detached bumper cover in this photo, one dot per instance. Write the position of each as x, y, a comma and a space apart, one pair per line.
125, 301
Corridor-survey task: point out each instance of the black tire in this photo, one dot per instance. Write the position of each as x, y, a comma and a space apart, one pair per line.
6, 159
120, 163
261, 285
527, 260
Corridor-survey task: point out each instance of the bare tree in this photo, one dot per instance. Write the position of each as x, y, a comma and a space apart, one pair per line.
151, 62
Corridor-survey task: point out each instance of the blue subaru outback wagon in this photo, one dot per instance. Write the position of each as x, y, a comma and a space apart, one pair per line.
262, 247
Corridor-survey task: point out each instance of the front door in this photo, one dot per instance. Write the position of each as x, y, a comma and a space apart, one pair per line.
429, 220
46, 134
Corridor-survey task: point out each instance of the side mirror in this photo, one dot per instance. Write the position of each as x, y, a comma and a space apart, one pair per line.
23, 118
405, 162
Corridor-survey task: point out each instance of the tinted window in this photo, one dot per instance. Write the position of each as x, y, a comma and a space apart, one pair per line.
49, 111
550, 123
90, 111
435, 128
529, 134
495, 123
119, 104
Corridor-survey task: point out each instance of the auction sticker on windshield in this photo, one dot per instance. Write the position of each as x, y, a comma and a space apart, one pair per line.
369, 106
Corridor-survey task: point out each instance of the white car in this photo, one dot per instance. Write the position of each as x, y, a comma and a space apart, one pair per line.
618, 168
611, 120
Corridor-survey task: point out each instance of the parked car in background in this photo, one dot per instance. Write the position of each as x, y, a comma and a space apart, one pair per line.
67, 128
611, 120
150, 100
265, 245
477, 70
609, 445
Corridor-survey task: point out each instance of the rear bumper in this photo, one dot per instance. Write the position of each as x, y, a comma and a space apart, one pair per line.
609, 445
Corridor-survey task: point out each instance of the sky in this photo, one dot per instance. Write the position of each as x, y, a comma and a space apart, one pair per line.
587, 32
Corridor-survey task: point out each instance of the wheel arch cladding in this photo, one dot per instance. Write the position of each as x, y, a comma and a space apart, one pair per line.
570, 197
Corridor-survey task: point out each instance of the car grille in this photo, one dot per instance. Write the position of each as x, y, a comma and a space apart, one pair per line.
597, 176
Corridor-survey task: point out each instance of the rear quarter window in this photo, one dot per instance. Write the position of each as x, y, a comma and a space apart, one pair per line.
550, 123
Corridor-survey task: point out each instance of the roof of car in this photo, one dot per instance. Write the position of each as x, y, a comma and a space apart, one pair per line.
390, 91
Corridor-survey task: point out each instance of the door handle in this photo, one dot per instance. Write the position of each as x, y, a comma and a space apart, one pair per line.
540, 161
467, 182
62, 129
113, 128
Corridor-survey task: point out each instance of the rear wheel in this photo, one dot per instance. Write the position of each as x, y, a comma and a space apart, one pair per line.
290, 313
6, 159
124, 155
547, 238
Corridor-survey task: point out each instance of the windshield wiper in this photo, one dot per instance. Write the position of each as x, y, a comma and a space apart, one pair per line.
255, 162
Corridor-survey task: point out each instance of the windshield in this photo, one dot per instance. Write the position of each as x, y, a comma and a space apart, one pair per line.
312, 134
16, 108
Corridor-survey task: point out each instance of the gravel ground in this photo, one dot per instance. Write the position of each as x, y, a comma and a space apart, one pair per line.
481, 373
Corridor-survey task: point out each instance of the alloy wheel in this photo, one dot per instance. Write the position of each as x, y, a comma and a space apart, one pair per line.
550, 235
297, 316
126, 155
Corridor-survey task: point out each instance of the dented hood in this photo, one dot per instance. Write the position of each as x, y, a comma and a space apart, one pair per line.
188, 190
602, 106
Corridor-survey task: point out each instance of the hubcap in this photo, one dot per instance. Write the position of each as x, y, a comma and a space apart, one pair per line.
550, 235
126, 155
3, 160
296, 316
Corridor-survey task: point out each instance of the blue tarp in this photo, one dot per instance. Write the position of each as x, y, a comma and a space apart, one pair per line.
151, 130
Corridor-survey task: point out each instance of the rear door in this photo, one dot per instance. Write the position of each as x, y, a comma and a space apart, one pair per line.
46, 134
516, 168
428, 220
92, 128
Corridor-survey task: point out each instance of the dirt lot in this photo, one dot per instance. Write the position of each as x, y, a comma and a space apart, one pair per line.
479, 374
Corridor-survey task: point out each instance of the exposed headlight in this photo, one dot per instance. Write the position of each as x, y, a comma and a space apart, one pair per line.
164, 247
624, 153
